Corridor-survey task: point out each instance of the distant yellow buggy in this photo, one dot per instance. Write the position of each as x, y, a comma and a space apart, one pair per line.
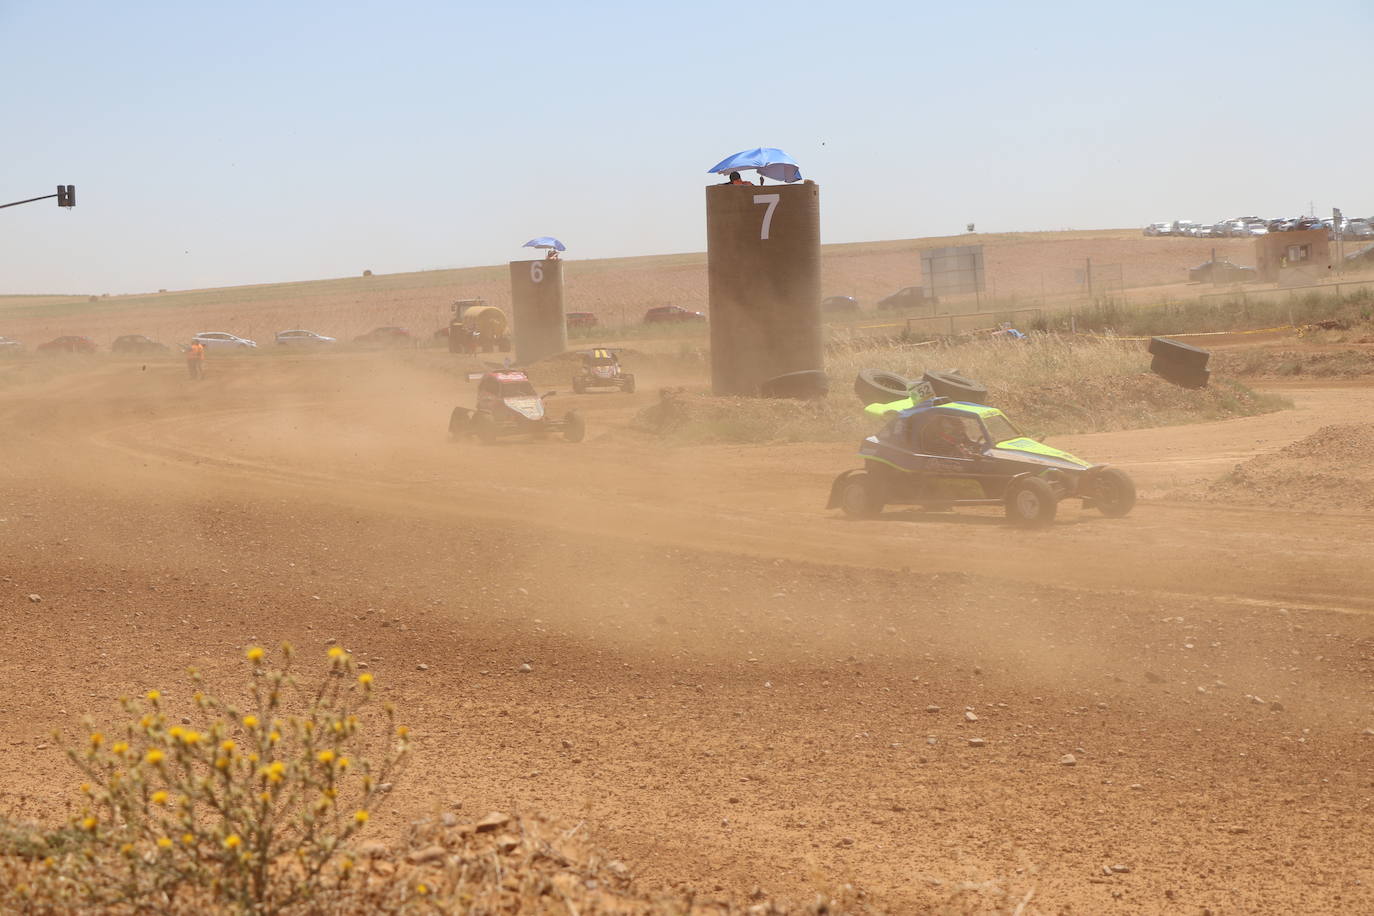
600, 369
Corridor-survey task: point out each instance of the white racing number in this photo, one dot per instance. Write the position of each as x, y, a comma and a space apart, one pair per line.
772, 201
536, 272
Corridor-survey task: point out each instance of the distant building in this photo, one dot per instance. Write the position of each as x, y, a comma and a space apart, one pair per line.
1293, 258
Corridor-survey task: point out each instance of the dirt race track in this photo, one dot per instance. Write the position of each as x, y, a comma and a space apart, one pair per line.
734, 688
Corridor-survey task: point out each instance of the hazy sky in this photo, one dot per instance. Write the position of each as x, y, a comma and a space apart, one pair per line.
251, 141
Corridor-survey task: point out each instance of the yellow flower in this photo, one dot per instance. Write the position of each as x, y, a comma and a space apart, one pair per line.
232, 841
346, 865
365, 679
86, 788
96, 739
176, 731
154, 756
254, 654
153, 695
274, 738
159, 797
421, 889
336, 652
264, 796
191, 737
127, 848
360, 816
343, 763
325, 757
120, 747
227, 746
402, 731
164, 842
89, 823
250, 721
187, 839
221, 763
275, 771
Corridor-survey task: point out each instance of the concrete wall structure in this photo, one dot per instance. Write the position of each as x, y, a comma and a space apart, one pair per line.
763, 253
541, 329
1293, 257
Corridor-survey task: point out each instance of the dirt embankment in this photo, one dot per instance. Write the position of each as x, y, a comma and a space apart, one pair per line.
1087, 405
1332, 469
1294, 364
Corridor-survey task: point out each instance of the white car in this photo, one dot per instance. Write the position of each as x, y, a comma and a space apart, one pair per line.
10, 347
303, 339
218, 340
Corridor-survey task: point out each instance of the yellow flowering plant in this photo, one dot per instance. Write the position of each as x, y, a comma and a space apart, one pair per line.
250, 807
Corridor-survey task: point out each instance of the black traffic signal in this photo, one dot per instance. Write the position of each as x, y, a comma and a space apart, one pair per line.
66, 195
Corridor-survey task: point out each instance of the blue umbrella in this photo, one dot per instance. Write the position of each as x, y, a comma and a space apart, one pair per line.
545, 241
766, 160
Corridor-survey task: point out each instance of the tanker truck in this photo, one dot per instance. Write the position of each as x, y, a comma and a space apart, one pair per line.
476, 326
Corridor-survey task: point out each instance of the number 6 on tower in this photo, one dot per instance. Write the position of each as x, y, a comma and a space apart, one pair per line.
772, 201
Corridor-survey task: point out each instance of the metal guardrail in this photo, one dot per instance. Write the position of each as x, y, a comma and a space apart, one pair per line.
953, 322
1286, 291
959, 322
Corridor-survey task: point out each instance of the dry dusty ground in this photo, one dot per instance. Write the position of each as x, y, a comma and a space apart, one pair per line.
733, 687
1025, 267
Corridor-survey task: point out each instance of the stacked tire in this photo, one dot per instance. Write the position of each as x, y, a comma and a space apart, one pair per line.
877, 386
808, 385
1180, 363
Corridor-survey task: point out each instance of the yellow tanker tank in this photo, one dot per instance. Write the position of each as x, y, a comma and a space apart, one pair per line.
478, 326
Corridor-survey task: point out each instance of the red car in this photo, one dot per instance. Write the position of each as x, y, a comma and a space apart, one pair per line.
387, 337
671, 314
68, 344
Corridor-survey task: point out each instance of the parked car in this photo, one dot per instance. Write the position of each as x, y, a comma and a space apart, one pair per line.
70, 343
219, 340
1165, 228
10, 347
300, 338
137, 343
1221, 271
582, 320
671, 314
907, 297
1359, 229
834, 304
389, 336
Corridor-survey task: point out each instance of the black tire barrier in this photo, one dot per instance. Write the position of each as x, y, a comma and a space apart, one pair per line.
878, 386
1177, 352
1182, 376
808, 385
955, 387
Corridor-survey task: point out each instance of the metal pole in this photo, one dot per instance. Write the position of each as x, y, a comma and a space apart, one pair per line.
29, 201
